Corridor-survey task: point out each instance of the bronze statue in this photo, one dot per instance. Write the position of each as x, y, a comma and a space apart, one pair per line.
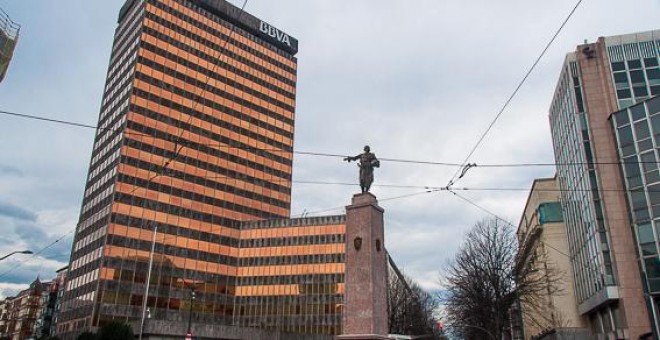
368, 162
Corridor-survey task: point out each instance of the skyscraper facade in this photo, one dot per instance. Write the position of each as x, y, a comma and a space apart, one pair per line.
195, 137
291, 275
638, 141
597, 80
9, 32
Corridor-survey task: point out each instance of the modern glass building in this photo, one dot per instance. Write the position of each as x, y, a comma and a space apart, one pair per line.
9, 32
596, 80
638, 141
291, 274
195, 137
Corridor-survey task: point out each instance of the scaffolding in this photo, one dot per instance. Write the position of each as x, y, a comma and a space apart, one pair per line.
9, 32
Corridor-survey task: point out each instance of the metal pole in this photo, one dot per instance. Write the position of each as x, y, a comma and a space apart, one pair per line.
146, 288
654, 316
28, 252
192, 298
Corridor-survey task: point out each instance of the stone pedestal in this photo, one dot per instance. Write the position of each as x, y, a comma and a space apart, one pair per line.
365, 298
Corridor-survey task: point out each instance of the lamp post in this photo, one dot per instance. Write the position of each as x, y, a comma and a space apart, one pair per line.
27, 252
146, 287
192, 299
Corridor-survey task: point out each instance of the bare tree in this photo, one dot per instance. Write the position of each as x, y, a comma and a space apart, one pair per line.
485, 280
410, 308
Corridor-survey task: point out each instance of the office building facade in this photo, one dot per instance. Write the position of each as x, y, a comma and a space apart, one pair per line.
20, 314
543, 247
291, 275
596, 80
638, 141
195, 137
9, 32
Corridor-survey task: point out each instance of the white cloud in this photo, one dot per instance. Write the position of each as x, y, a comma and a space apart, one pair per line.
416, 80
11, 289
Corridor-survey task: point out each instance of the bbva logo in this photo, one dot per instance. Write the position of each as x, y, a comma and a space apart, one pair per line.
275, 33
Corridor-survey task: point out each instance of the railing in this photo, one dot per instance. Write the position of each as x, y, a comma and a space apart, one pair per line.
9, 31
8, 26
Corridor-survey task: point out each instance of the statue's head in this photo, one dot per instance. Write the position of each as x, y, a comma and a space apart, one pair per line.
367, 148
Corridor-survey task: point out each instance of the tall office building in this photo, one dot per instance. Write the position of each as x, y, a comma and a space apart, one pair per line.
638, 141
9, 32
195, 137
597, 80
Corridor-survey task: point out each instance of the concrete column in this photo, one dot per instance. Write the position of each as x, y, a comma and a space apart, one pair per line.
365, 299
600, 101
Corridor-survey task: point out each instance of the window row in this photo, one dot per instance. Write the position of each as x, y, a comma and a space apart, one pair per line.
248, 39
210, 37
229, 138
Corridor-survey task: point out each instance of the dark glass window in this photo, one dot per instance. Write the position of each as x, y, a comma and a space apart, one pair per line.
633, 173
653, 106
634, 64
645, 145
638, 198
618, 66
654, 76
648, 249
650, 62
623, 94
625, 135
654, 194
652, 267
652, 177
655, 90
637, 112
578, 99
642, 130
550, 212
621, 118
640, 91
621, 80
637, 77
648, 161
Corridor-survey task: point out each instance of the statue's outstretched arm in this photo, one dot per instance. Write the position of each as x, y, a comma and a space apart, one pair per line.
349, 159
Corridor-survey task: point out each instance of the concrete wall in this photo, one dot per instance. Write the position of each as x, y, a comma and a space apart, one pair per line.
552, 245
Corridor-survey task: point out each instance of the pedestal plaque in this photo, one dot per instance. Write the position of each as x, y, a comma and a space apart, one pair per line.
365, 299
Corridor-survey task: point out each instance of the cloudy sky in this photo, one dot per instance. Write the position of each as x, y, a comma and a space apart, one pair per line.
416, 80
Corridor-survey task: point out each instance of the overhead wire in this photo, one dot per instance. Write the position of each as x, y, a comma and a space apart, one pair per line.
465, 199
165, 164
178, 145
513, 95
322, 154
37, 253
306, 213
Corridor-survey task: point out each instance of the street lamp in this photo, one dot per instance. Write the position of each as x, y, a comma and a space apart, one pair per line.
146, 287
192, 300
27, 252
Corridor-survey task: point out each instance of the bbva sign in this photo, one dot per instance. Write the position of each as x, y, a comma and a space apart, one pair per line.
275, 33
